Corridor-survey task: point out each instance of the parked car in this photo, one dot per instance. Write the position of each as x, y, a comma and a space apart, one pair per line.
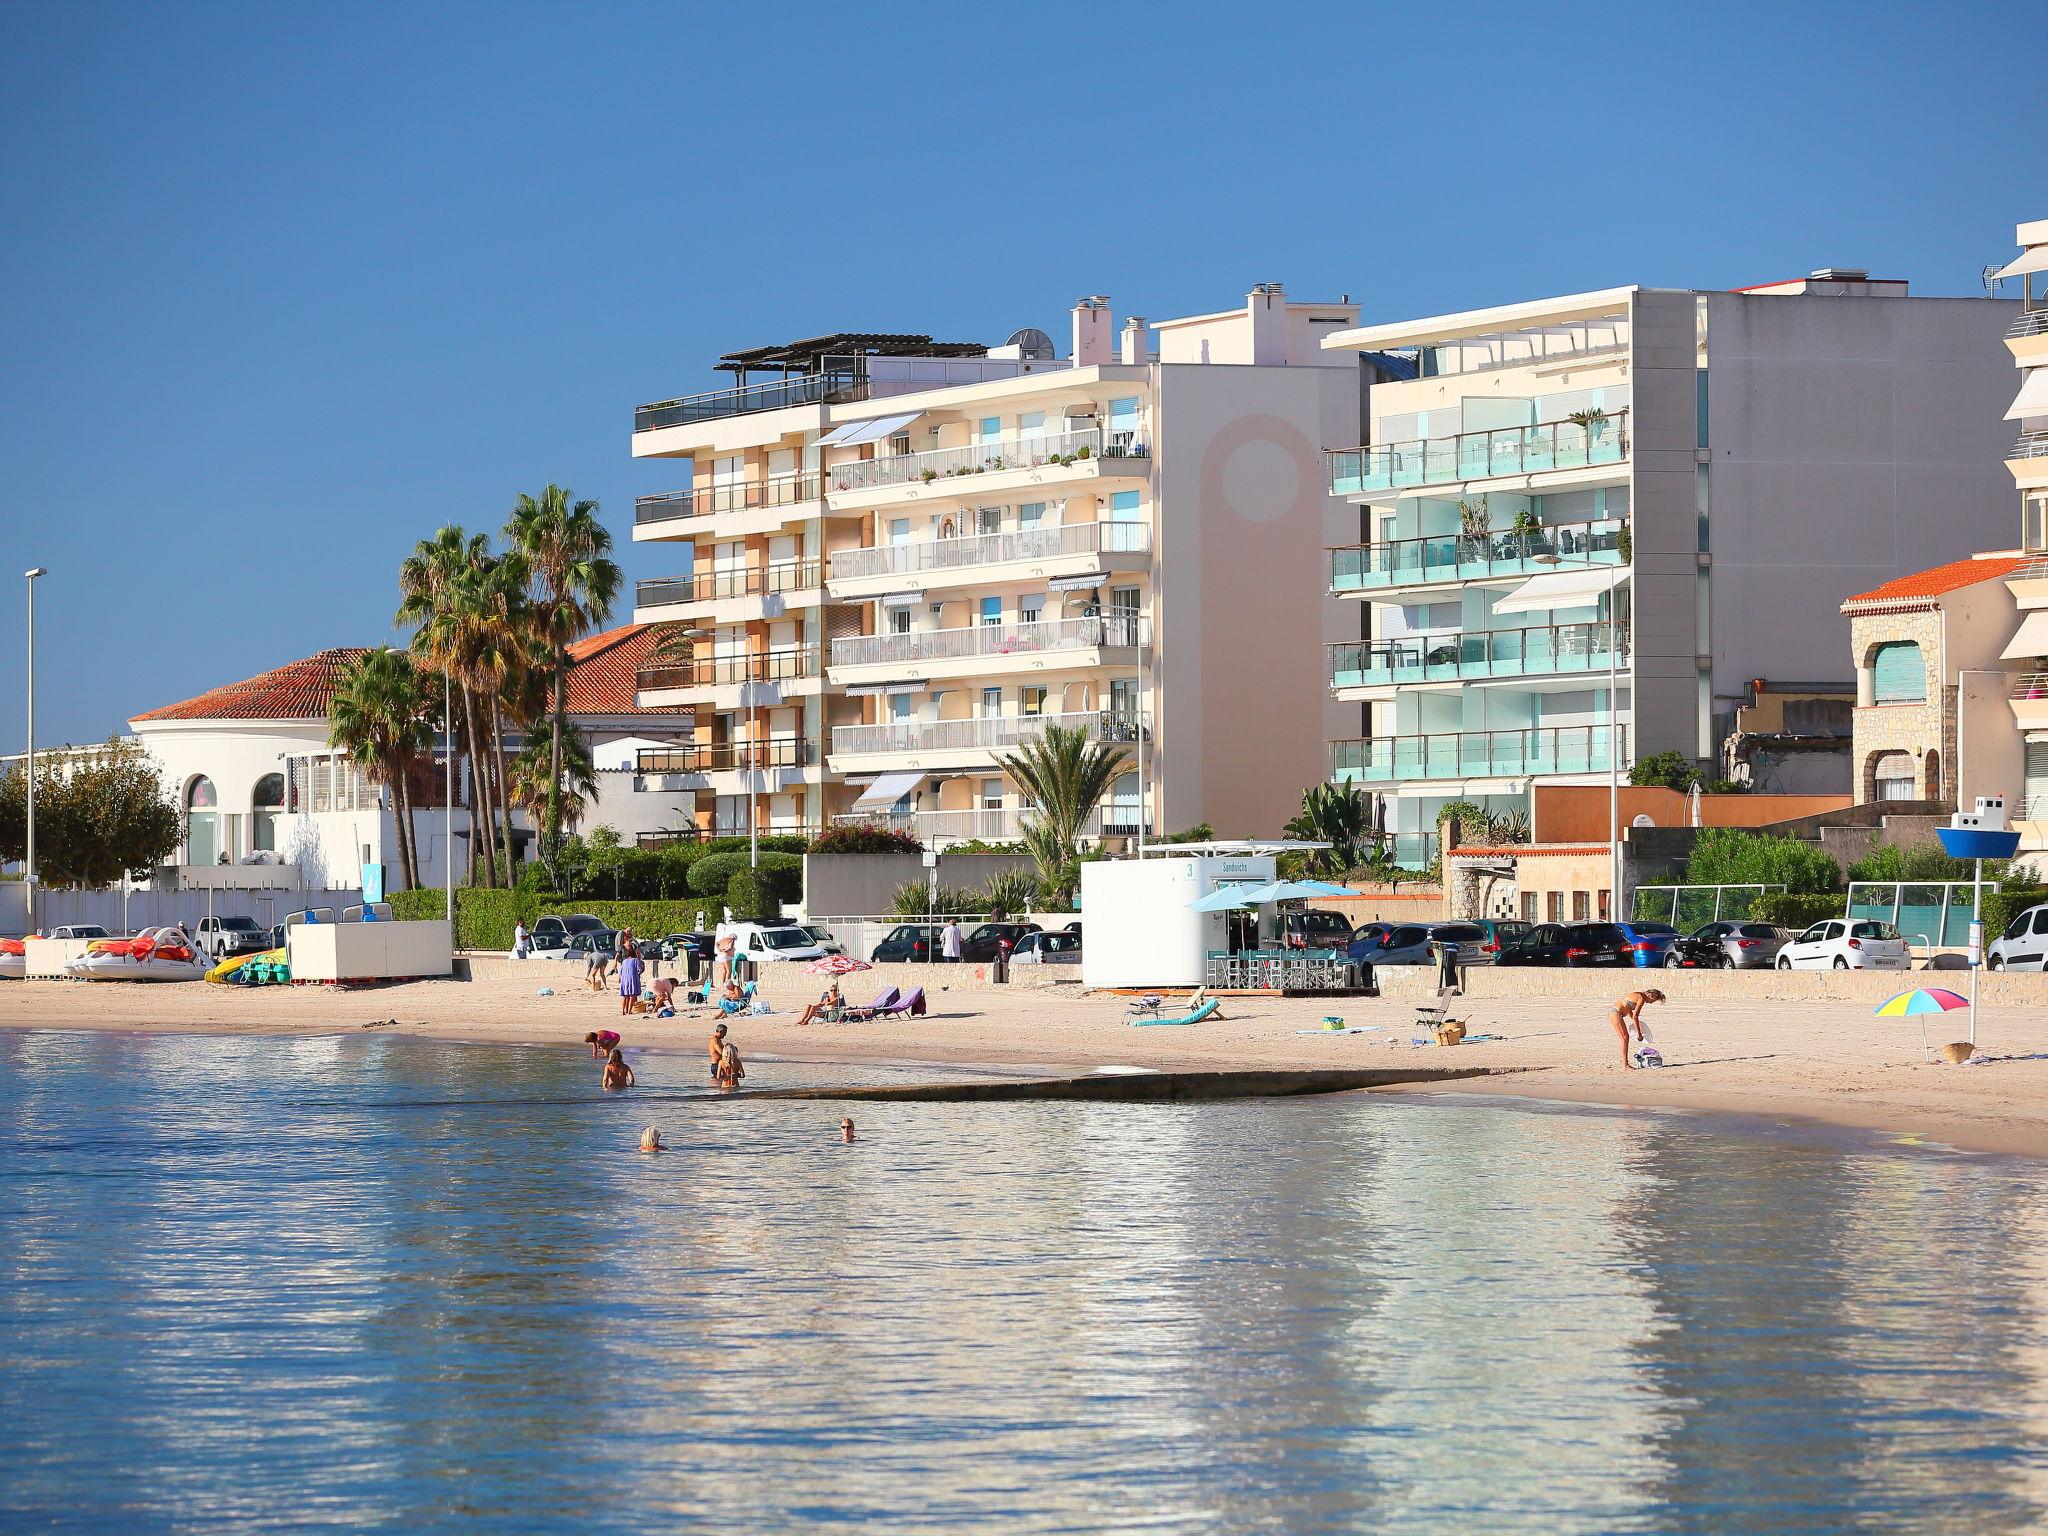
1048, 949
2024, 944
1575, 945
989, 938
1365, 941
772, 942
1500, 932
220, 937
79, 931
551, 935
1647, 943
1314, 930
907, 941
1727, 947
1847, 944
1410, 944
1544, 944
679, 947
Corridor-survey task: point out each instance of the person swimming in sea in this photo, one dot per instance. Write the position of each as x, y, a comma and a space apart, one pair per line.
731, 1070
846, 1129
1627, 1019
650, 1140
601, 1042
616, 1073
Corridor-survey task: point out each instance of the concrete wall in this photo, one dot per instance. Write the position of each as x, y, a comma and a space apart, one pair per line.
153, 909
865, 884
1664, 526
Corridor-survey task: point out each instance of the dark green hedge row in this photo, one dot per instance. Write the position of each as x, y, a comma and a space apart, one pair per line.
484, 918
1797, 910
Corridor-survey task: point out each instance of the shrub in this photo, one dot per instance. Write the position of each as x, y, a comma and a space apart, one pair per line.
747, 894
1665, 770
1013, 891
2001, 907
857, 837
1732, 856
1922, 861
909, 900
1796, 910
710, 875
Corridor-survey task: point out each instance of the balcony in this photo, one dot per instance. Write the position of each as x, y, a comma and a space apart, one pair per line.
1046, 456
964, 743
926, 563
978, 648
774, 502
1446, 557
2030, 445
829, 387
1466, 456
730, 596
669, 837
725, 756
1531, 652
1474, 754
991, 824
729, 682
2028, 322
2028, 696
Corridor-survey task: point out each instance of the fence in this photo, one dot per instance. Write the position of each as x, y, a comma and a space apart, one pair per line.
1686, 907
1925, 912
1286, 970
126, 911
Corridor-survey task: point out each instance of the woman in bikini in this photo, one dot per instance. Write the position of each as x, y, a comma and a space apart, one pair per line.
616, 1073
1627, 1019
731, 1070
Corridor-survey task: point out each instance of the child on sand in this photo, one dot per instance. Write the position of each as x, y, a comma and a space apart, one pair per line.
601, 1042
1627, 1019
616, 1073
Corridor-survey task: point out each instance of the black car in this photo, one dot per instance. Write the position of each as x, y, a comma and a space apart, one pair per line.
991, 938
908, 941
1314, 930
1569, 944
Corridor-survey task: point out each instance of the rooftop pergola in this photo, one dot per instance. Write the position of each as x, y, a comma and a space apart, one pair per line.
809, 355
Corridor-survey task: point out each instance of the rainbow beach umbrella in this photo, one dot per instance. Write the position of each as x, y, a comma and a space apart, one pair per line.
1922, 1001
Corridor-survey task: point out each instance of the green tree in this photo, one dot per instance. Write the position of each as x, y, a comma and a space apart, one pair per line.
1733, 856
1066, 775
429, 580
574, 584
1337, 814
99, 815
1665, 770
378, 716
554, 776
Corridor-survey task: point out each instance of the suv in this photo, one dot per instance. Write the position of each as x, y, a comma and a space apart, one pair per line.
220, 937
2023, 945
552, 934
1314, 930
1048, 949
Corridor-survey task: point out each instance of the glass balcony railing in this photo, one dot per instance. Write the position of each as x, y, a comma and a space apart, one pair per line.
1475, 754
990, 640
710, 671
723, 756
993, 824
709, 586
1473, 557
918, 556
829, 387
741, 496
989, 456
983, 733
1479, 455
1489, 653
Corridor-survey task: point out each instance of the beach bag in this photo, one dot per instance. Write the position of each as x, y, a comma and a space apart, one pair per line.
1450, 1032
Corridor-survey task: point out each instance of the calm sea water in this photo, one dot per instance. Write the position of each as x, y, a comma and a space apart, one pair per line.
375, 1284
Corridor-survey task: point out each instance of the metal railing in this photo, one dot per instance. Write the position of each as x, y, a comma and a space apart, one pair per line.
1479, 455
2029, 322
745, 581
983, 733
2028, 685
767, 667
1041, 543
1032, 451
2030, 445
1475, 754
723, 756
1281, 970
1937, 911
1489, 653
992, 824
828, 387
734, 496
1687, 907
1110, 629
1473, 556
670, 835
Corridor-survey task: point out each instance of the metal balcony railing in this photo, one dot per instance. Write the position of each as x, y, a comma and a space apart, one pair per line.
709, 586
1003, 824
1471, 557
671, 835
724, 756
983, 733
2031, 445
829, 387
916, 556
2029, 322
1476, 754
708, 671
2029, 685
989, 456
739, 496
1479, 455
1490, 653
992, 640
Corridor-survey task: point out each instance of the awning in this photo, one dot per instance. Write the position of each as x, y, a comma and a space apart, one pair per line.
880, 690
2032, 400
900, 599
1560, 589
2033, 259
1077, 583
867, 431
888, 789
2032, 639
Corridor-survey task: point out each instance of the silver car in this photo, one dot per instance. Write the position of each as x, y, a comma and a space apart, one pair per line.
1410, 944
1746, 946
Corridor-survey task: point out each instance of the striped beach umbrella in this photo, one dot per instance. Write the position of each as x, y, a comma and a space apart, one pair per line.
1921, 1001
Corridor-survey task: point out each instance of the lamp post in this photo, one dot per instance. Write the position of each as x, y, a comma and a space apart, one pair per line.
1613, 724
29, 862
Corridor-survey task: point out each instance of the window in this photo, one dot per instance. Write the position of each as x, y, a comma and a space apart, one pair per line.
2034, 524
899, 621
1031, 609
991, 701
1031, 513
1123, 507
1894, 777
988, 519
899, 706
992, 794
991, 428
268, 802
1123, 425
1553, 906
899, 530
1898, 676
2035, 805
1031, 701
1529, 912
991, 611
1580, 906
2041, 919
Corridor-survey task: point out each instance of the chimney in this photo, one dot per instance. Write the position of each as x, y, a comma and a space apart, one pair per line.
1135, 350
1092, 341
1266, 308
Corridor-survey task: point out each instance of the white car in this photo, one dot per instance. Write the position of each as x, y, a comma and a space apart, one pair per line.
765, 942
2024, 944
1048, 949
1847, 944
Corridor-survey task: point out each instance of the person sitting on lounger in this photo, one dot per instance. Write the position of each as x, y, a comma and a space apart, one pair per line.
829, 1007
735, 999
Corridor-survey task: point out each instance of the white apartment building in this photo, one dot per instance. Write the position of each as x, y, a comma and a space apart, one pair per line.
906, 558
1675, 489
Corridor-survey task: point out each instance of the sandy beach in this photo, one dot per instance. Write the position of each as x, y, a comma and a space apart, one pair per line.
1735, 1044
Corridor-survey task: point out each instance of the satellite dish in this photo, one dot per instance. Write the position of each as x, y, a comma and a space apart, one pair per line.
1642, 821
1033, 344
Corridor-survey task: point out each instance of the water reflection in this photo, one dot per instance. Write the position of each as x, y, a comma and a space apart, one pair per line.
371, 1281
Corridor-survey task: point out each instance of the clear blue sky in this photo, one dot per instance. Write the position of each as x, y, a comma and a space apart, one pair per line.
284, 288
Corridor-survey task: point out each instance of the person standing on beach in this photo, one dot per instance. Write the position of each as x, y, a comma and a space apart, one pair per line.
949, 940
629, 981
521, 943
1627, 1020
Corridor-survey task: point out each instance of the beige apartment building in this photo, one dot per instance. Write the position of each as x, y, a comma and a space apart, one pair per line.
904, 558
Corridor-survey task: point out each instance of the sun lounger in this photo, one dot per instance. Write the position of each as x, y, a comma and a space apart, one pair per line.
1145, 1007
886, 1000
1196, 1017
911, 1003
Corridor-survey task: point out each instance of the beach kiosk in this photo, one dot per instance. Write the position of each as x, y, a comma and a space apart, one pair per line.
1140, 915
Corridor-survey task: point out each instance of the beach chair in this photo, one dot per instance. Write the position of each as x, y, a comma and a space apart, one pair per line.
1145, 1007
858, 1015
1196, 1017
727, 1006
911, 1003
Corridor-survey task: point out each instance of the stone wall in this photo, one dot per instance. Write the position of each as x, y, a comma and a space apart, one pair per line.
1925, 731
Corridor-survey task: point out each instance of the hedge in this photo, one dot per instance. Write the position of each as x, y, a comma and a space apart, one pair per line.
712, 875
484, 918
2001, 907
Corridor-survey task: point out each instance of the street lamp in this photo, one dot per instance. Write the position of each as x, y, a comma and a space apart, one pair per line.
29, 863
1614, 914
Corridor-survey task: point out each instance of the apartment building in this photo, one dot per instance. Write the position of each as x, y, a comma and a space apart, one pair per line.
902, 559
1592, 526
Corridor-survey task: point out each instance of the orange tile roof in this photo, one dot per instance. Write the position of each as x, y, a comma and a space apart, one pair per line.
1529, 851
299, 690
602, 668
1922, 585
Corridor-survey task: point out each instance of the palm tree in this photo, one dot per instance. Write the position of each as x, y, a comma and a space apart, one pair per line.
533, 772
487, 642
1066, 775
428, 584
377, 715
1337, 814
575, 583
